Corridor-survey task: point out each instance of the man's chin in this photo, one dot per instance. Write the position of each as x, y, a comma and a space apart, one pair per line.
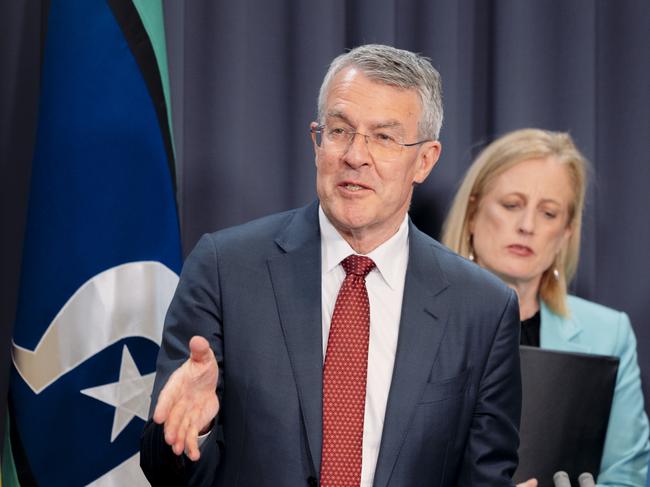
351, 224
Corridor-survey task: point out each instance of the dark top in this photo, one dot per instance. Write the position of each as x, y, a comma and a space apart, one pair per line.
530, 331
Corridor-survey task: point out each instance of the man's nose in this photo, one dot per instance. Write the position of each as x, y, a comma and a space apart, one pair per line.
358, 151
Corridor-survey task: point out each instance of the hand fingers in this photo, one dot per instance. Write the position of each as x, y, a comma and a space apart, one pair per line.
173, 422
166, 399
192, 444
181, 432
181, 440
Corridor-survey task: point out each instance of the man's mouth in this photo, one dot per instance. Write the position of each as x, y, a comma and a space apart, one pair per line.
352, 187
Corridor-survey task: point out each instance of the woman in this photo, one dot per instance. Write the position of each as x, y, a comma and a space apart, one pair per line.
518, 213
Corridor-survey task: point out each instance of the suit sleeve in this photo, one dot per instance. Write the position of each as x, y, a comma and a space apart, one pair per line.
490, 457
626, 451
194, 310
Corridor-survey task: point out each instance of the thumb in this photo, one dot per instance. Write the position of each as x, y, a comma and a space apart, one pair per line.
200, 350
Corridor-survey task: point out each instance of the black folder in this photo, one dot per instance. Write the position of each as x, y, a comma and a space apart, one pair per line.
567, 398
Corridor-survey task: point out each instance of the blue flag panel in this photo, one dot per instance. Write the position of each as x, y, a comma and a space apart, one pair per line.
100, 259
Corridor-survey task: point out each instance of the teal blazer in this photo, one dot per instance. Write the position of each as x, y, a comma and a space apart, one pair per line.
593, 328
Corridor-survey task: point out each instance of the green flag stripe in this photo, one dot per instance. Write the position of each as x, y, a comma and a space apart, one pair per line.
140, 43
9, 474
152, 16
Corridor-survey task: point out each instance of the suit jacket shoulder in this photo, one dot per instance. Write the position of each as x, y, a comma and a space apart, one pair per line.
458, 270
266, 233
589, 328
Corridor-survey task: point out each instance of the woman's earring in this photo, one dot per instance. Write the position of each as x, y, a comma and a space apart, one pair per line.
470, 244
556, 274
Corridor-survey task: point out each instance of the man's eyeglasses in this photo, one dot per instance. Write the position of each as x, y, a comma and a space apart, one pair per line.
382, 145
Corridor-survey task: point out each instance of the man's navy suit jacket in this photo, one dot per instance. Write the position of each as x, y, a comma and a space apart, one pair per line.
254, 292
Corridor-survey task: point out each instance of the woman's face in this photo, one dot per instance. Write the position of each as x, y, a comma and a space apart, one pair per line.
522, 220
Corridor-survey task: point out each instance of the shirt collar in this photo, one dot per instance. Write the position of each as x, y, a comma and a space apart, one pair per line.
334, 249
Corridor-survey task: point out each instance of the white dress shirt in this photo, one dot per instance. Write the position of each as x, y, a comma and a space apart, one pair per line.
385, 285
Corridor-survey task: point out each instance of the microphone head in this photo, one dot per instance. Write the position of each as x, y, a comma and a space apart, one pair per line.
586, 480
561, 479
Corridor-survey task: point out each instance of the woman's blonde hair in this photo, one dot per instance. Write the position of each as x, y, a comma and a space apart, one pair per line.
498, 157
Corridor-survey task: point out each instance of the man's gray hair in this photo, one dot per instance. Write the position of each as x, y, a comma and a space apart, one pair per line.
394, 67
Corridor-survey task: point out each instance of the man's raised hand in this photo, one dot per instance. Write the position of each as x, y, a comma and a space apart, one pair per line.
188, 403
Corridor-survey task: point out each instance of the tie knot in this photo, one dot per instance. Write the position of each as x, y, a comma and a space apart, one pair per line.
357, 265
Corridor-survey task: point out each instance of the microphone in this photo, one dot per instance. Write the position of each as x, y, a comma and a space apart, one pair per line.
586, 480
561, 479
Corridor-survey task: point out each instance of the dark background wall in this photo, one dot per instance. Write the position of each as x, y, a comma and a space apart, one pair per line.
245, 76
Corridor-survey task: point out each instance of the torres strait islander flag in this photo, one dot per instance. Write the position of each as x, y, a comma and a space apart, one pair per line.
102, 251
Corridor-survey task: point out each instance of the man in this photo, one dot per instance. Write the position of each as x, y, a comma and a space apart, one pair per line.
396, 367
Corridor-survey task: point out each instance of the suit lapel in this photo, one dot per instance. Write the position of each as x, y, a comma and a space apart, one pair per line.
559, 333
422, 324
296, 278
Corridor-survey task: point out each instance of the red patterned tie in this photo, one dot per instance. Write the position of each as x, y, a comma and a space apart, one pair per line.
344, 378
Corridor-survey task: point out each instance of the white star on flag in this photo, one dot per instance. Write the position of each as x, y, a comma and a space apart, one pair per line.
130, 395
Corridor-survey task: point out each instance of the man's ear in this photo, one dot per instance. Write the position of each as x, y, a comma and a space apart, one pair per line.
312, 126
428, 157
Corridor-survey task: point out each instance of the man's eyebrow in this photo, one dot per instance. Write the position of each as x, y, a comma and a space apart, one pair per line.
391, 123
388, 124
340, 115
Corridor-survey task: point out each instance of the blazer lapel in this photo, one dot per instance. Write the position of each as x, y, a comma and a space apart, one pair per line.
422, 324
560, 333
296, 278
